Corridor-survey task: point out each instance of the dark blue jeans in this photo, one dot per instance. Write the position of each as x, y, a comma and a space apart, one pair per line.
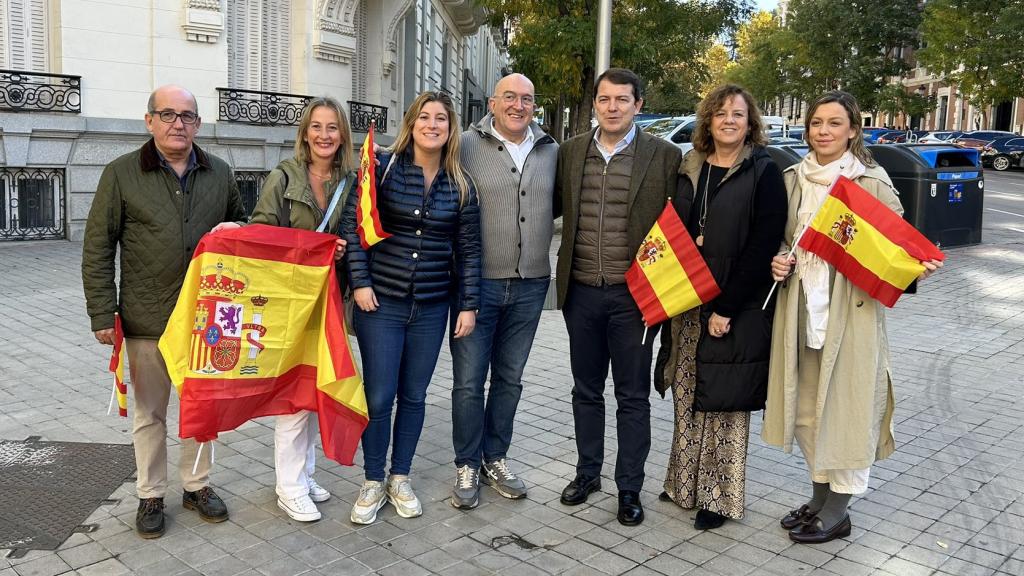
505, 326
399, 344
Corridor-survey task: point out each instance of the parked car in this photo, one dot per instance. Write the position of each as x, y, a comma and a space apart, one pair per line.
1004, 153
940, 137
678, 130
783, 140
975, 143
796, 132
872, 132
979, 138
891, 137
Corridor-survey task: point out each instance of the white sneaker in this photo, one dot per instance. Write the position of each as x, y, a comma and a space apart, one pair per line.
402, 497
318, 493
300, 509
371, 499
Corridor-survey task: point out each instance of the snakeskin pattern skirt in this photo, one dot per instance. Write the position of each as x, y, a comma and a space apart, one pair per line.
707, 468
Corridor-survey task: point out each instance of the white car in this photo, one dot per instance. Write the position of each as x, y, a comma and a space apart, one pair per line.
677, 130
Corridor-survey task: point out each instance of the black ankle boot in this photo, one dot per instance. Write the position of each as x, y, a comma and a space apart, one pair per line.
708, 520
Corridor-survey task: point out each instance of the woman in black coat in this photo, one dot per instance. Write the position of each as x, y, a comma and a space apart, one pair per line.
715, 357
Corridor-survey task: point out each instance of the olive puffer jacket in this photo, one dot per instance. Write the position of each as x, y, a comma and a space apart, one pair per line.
287, 190
140, 206
434, 246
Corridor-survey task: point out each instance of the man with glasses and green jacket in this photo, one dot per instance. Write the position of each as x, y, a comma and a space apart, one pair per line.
155, 203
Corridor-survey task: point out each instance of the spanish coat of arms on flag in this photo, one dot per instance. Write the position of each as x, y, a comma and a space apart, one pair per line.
258, 330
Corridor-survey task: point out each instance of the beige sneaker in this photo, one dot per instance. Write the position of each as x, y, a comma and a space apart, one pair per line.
371, 499
402, 497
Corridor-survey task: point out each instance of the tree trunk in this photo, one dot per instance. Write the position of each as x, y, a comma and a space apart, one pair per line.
556, 118
581, 122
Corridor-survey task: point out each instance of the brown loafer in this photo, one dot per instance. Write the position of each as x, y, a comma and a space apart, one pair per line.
801, 515
814, 533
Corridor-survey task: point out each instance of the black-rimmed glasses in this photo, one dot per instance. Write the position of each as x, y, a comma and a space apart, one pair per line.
170, 116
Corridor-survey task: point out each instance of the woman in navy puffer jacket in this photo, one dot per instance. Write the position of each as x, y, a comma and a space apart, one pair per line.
402, 288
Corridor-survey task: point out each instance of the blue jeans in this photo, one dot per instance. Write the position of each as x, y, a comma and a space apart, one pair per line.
505, 326
399, 344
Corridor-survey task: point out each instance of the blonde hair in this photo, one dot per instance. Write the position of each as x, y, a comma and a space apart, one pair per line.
343, 162
849, 103
450, 152
712, 103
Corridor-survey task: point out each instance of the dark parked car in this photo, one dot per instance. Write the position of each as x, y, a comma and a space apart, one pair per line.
1004, 153
984, 135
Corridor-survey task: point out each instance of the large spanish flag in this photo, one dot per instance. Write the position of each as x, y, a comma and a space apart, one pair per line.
259, 330
669, 276
880, 252
367, 218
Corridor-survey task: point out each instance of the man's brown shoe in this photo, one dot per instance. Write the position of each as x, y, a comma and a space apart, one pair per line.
205, 501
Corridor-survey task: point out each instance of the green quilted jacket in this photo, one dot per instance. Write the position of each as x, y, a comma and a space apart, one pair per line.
140, 208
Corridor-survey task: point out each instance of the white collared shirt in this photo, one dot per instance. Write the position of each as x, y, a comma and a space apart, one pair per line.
619, 146
518, 152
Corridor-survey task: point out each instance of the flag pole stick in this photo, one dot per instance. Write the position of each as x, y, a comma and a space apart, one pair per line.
199, 453
643, 342
801, 236
113, 392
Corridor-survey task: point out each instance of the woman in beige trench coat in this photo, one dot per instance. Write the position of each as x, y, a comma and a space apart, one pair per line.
830, 384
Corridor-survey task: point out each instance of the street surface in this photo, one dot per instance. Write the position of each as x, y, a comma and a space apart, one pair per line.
949, 501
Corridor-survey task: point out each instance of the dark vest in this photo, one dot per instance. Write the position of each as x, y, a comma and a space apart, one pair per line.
602, 253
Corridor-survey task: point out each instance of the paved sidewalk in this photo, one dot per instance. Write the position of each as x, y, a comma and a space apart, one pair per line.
950, 501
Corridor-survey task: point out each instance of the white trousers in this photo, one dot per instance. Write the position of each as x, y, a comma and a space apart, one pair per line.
295, 452
842, 481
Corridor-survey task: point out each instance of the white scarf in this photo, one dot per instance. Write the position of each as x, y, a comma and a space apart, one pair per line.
812, 270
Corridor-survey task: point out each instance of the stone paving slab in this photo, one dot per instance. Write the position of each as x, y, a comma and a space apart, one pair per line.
948, 502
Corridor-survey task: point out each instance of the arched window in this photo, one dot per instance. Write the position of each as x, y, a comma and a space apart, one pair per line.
259, 44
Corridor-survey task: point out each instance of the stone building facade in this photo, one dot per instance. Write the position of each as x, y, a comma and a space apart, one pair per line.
75, 76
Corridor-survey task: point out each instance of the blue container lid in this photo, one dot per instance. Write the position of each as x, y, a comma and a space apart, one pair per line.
930, 154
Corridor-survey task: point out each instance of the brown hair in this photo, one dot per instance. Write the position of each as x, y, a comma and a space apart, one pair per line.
712, 103
343, 162
849, 103
450, 152
620, 77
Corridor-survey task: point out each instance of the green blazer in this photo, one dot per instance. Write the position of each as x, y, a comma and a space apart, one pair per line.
652, 183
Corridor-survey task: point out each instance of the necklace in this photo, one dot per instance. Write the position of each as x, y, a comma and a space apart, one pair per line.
704, 208
320, 176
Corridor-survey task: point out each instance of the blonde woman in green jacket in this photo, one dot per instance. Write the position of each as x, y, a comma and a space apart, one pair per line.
298, 194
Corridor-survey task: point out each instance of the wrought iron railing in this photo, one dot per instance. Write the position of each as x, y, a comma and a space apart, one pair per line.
21, 91
361, 114
249, 185
262, 108
31, 203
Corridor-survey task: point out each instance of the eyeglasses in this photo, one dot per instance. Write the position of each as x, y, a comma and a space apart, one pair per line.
170, 116
511, 98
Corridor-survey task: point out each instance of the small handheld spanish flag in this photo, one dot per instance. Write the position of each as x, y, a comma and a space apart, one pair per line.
876, 249
367, 218
669, 276
120, 391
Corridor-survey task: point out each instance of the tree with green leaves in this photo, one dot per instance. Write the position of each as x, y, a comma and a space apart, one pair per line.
856, 46
553, 43
978, 46
760, 55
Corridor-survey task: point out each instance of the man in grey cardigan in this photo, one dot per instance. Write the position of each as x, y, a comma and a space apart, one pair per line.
512, 162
